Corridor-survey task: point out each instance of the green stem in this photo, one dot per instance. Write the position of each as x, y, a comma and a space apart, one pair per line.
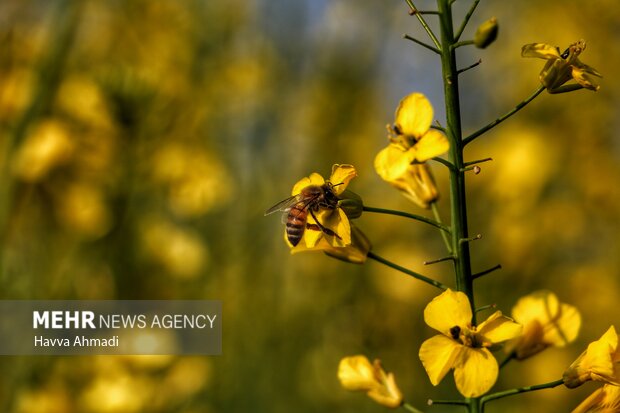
471, 66
424, 12
476, 162
462, 43
471, 11
499, 120
458, 203
420, 218
421, 43
526, 389
485, 272
444, 234
474, 405
485, 307
433, 402
445, 163
424, 24
410, 408
404, 270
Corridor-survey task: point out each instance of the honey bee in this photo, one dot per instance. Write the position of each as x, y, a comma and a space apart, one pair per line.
310, 200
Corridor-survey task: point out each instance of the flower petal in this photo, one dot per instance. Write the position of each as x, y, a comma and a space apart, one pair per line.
414, 115
338, 222
540, 305
319, 244
340, 177
356, 373
588, 69
497, 328
565, 328
392, 162
433, 143
438, 355
311, 236
476, 372
447, 310
387, 394
540, 50
584, 79
604, 400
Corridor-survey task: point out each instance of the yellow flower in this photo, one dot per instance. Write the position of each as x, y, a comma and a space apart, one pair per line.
313, 198
604, 400
562, 67
412, 142
357, 374
546, 322
461, 346
600, 362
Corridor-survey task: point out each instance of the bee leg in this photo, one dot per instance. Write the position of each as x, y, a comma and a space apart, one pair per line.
321, 228
318, 226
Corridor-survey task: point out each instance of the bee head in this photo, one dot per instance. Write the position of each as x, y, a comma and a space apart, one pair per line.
330, 196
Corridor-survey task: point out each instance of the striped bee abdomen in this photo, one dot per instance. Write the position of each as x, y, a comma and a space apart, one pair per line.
296, 223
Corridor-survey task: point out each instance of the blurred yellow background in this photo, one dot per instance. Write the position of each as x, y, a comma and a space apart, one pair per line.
141, 142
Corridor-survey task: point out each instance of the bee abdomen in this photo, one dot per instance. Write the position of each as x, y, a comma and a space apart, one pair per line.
296, 223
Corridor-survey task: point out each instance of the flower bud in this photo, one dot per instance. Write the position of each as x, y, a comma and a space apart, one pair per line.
351, 203
486, 33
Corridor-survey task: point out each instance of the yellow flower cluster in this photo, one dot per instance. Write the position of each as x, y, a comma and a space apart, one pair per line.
540, 321
319, 213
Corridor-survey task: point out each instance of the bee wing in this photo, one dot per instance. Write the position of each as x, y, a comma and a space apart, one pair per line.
284, 205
